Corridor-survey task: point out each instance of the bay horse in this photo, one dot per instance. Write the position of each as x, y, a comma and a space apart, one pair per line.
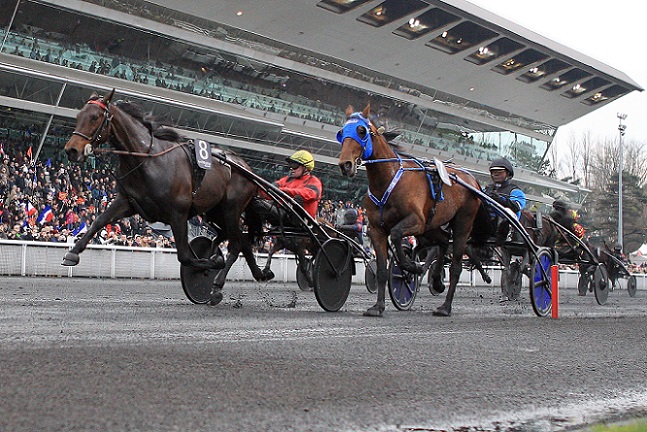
157, 179
400, 202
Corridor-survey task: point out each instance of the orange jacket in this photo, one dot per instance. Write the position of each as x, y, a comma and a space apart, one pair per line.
308, 187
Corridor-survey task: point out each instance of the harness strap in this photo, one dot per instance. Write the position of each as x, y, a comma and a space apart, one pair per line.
436, 190
380, 203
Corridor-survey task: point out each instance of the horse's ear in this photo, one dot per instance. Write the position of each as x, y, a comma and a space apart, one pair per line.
108, 98
349, 110
367, 111
94, 95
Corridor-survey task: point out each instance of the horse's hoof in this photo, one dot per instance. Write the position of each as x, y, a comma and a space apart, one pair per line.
268, 275
487, 279
216, 297
218, 261
442, 311
436, 289
374, 312
70, 259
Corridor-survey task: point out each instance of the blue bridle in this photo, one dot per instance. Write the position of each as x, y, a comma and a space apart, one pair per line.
349, 130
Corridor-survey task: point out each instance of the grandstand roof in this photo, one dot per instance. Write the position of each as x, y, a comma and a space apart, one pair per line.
451, 47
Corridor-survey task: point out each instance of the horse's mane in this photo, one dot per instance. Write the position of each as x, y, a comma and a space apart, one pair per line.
159, 129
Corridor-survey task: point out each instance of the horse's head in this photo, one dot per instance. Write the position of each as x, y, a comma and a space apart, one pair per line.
356, 140
92, 128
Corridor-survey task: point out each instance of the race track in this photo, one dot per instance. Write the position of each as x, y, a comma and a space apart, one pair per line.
133, 355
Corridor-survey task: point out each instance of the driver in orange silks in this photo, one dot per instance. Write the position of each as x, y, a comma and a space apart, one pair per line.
300, 184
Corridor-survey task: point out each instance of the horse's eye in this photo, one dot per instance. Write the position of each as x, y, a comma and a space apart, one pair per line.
94, 117
361, 131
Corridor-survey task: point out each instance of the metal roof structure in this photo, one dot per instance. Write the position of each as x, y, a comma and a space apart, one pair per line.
497, 64
472, 85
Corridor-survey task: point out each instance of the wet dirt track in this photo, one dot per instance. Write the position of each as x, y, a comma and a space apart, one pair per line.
89, 354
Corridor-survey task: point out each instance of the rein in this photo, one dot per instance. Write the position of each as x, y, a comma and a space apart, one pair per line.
106, 123
139, 154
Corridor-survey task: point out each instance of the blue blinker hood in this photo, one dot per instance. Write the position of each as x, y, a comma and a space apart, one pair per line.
349, 130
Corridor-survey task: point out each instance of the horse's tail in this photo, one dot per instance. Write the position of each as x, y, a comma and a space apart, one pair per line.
254, 222
482, 227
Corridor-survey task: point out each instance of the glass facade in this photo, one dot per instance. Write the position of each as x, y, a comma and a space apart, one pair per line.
76, 48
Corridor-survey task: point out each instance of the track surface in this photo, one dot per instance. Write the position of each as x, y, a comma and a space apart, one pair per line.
89, 355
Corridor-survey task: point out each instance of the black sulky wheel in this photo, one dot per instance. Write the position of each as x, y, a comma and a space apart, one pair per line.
332, 273
370, 276
403, 286
302, 279
197, 283
541, 282
601, 284
631, 286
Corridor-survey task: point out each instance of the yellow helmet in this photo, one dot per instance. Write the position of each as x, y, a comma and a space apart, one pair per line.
303, 157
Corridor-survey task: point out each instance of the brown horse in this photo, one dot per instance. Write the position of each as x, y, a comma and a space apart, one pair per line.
157, 179
403, 201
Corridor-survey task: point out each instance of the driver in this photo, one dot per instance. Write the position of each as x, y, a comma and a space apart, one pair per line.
506, 193
567, 218
300, 184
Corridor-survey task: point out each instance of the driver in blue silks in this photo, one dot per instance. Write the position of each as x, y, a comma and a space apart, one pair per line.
506, 193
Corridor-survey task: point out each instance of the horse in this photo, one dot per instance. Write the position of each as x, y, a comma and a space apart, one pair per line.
157, 178
403, 200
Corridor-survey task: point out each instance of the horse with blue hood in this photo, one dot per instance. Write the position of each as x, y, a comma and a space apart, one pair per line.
409, 197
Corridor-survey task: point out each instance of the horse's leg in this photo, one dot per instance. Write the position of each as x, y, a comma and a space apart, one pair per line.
406, 227
379, 241
476, 262
118, 209
436, 285
233, 250
185, 255
245, 246
461, 233
506, 275
302, 261
267, 270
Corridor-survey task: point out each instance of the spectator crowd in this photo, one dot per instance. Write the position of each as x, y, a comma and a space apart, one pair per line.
50, 200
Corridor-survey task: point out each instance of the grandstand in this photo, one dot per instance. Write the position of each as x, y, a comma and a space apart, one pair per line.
457, 81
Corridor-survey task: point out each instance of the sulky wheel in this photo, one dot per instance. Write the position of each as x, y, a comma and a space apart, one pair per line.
601, 284
631, 286
332, 273
370, 276
403, 286
541, 282
302, 278
197, 283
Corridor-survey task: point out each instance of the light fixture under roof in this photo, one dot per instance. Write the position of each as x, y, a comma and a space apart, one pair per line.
568, 77
391, 10
586, 86
461, 37
428, 21
607, 94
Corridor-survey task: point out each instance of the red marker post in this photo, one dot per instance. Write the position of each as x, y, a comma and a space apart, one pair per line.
554, 281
